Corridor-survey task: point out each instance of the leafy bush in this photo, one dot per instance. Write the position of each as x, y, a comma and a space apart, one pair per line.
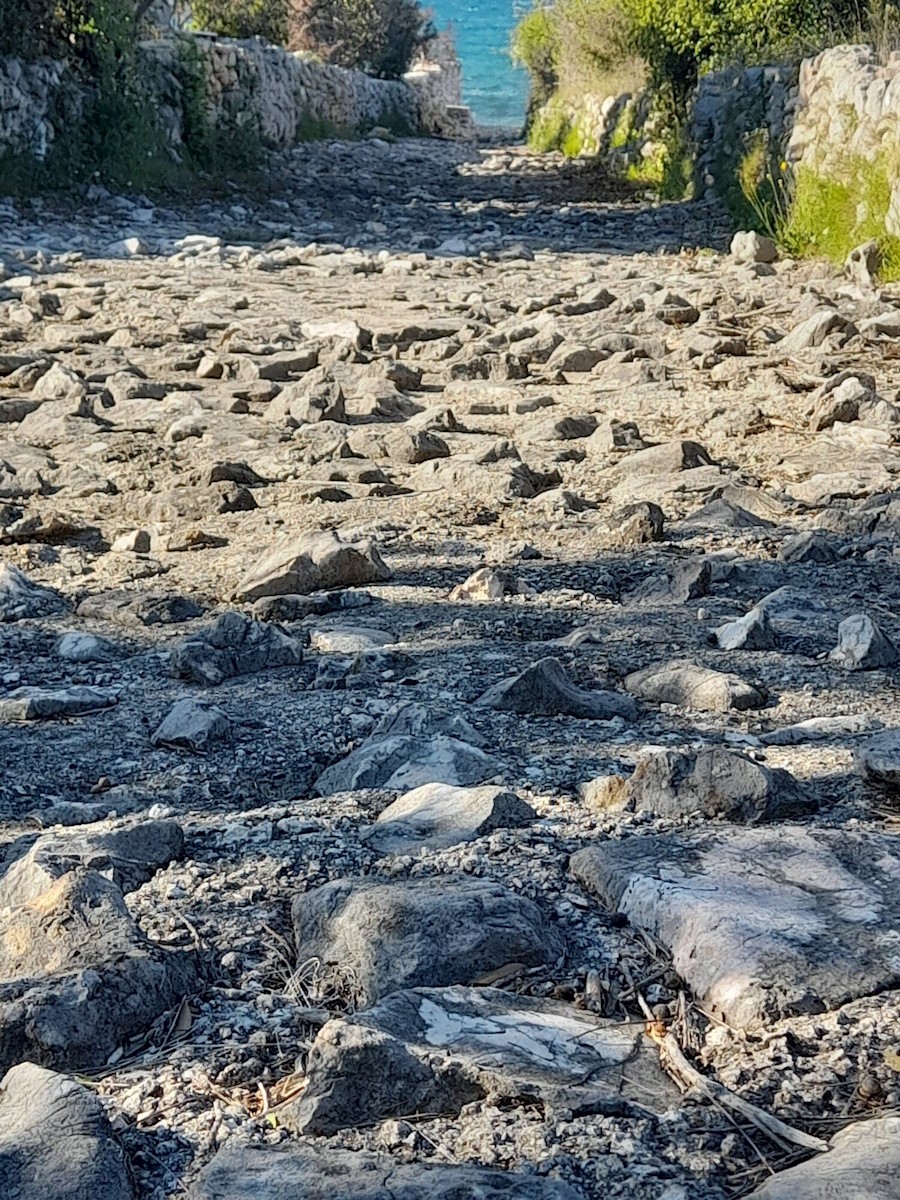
244, 18
571, 47
377, 36
567, 44
681, 39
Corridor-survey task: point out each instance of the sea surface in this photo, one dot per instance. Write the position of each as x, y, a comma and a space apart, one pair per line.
495, 90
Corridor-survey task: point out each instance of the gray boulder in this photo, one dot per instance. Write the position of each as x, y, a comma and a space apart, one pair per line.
409, 747
418, 932
129, 856
544, 689
487, 583
23, 599
438, 815
359, 1075
309, 563
191, 725
402, 762
79, 976
877, 760
761, 923
747, 246
689, 685
141, 609
751, 632
86, 648
56, 1142
811, 546
302, 1172
637, 525
235, 645
862, 646
40, 704
713, 783
437, 1049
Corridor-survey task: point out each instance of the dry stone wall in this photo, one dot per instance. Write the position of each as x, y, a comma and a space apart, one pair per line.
828, 114
833, 112
36, 101
285, 97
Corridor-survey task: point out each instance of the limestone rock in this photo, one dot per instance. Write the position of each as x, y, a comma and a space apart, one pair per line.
310, 563
438, 815
811, 546
296, 1172
142, 609
748, 246
23, 599
235, 645
863, 1163
761, 923
691, 686
410, 747
751, 632
712, 783
862, 646
877, 760
359, 1075
191, 724
379, 937
487, 583
437, 1049
128, 855
544, 689
863, 264
86, 648
40, 704
56, 1142
80, 977
637, 525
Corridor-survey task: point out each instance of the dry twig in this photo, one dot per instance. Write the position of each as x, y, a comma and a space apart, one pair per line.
689, 1078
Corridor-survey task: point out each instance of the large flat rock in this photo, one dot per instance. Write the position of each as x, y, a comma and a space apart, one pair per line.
381, 936
438, 1049
761, 923
862, 1164
307, 1173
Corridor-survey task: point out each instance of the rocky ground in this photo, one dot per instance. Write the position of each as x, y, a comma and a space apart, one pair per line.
448, 641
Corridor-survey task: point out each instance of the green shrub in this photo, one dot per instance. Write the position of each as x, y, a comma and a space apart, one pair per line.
243, 18
572, 47
829, 215
377, 36
681, 39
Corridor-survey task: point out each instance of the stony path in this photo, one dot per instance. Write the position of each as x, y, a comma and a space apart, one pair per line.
444, 617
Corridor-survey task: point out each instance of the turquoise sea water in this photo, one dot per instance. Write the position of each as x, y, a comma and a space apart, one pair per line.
495, 90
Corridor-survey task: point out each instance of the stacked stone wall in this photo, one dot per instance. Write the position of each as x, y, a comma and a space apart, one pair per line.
282, 96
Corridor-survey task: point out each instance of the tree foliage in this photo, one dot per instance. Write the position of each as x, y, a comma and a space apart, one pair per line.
244, 18
377, 36
678, 40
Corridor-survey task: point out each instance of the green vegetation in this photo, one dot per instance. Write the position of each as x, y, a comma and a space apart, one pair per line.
575, 47
377, 36
244, 18
581, 48
827, 216
380, 37
114, 136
